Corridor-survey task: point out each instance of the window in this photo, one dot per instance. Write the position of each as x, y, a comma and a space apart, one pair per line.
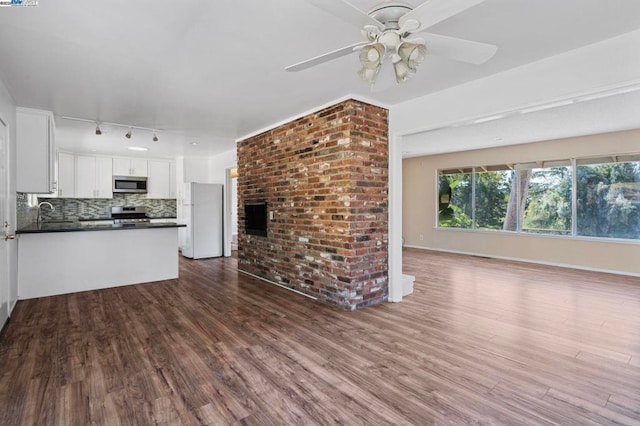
455, 199
608, 201
539, 198
493, 188
546, 193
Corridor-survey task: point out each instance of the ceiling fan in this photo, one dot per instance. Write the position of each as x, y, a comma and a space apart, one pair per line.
391, 30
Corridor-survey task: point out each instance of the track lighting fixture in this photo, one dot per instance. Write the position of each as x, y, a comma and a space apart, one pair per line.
129, 127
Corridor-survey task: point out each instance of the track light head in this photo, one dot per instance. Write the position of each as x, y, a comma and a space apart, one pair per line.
128, 134
98, 131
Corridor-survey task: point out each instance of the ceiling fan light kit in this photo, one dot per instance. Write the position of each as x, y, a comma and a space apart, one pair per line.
389, 27
369, 74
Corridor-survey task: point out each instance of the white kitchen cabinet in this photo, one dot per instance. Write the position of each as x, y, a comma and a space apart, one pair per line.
35, 151
94, 177
161, 182
129, 167
104, 177
66, 175
173, 193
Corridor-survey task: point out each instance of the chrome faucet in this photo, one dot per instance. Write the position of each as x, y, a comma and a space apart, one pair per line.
53, 209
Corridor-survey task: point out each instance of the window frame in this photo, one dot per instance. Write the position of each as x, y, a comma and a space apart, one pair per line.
572, 162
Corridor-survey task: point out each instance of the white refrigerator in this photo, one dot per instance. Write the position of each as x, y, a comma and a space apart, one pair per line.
202, 213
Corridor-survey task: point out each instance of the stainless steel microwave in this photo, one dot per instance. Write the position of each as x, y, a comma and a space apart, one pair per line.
135, 184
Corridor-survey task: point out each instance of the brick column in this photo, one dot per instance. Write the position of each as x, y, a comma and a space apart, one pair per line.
324, 177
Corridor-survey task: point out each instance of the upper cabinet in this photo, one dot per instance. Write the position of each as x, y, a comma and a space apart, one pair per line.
129, 167
161, 183
35, 151
91, 176
94, 177
66, 175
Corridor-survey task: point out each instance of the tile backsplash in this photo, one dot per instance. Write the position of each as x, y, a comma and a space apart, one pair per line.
89, 208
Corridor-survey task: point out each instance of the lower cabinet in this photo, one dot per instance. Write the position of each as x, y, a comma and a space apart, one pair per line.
94, 177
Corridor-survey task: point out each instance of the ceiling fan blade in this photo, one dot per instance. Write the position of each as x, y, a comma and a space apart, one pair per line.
432, 12
326, 57
472, 52
347, 12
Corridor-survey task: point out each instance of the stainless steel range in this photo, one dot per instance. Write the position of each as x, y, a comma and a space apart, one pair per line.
129, 215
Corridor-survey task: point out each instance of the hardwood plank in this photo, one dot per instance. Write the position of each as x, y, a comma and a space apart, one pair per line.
480, 341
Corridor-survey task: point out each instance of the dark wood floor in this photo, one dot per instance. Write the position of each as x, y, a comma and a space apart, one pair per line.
479, 342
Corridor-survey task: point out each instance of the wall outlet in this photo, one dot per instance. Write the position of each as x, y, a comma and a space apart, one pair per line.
421, 237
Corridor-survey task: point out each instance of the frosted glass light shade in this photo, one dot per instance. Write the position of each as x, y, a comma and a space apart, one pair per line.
369, 74
402, 71
371, 55
412, 53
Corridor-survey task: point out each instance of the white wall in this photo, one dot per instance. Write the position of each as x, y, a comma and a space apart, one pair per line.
8, 114
420, 210
218, 165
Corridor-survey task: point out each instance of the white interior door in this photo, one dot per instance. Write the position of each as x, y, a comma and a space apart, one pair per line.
4, 222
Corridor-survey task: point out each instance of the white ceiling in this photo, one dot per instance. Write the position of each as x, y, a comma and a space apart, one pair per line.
208, 72
607, 114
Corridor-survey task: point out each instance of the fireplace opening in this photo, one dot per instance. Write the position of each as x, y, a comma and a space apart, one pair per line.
255, 218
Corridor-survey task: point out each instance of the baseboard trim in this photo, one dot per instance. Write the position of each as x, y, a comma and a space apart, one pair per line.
536, 262
279, 285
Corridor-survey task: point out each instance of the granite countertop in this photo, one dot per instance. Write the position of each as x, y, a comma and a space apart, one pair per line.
78, 226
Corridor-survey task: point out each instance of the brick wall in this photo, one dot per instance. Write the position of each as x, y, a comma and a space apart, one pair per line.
324, 177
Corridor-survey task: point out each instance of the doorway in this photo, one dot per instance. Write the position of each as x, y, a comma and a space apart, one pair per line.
5, 299
231, 212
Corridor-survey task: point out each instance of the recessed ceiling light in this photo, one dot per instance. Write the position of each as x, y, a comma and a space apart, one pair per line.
194, 143
138, 148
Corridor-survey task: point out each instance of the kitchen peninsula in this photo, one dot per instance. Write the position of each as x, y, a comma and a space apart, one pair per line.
59, 258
